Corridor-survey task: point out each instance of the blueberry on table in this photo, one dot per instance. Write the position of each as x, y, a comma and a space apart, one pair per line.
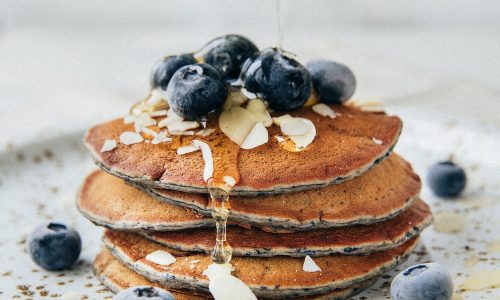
446, 179
422, 282
143, 292
278, 78
163, 71
195, 90
54, 246
334, 83
227, 54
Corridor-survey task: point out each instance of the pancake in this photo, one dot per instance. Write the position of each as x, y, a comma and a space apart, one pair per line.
344, 148
274, 277
117, 277
346, 240
108, 201
378, 195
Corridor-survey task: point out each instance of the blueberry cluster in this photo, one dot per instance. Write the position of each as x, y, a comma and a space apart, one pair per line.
196, 83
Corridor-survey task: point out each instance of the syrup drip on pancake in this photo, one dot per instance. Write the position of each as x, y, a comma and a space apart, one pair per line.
219, 193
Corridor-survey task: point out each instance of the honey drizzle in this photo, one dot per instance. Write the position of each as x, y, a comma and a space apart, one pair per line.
219, 192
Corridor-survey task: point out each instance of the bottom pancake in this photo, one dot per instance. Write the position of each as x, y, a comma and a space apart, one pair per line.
278, 277
116, 277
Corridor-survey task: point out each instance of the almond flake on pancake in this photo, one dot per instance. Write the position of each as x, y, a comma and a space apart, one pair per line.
108, 145
377, 141
158, 113
310, 265
182, 125
205, 132
161, 257
259, 109
277, 120
187, 149
294, 126
224, 286
229, 180
323, 110
256, 137
161, 138
280, 139
176, 132
129, 138
206, 153
150, 132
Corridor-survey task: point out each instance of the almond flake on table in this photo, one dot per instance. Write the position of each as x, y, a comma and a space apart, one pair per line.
377, 141
161, 257
129, 138
187, 149
205, 132
323, 110
310, 265
108, 145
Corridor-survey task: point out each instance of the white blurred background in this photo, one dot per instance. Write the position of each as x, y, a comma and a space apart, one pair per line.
76, 62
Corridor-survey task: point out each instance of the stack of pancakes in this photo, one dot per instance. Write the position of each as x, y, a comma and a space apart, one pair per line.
345, 201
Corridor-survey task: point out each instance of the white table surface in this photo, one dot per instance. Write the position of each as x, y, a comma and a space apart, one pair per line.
66, 66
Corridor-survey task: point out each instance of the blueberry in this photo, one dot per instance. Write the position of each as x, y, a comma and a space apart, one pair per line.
195, 90
422, 282
54, 246
227, 54
278, 78
163, 70
446, 179
333, 82
143, 292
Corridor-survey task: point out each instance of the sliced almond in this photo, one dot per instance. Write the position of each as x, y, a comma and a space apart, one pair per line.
159, 113
236, 123
256, 137
234, 98
161, 257
183, 126
129, 138
310, 265
176, 132
161, 138
206, 153
187, 149
259, 109
295, 126
108, 145
150, 132
377, 141
277, 120
324, 110
229, 180
205, 132
303, 140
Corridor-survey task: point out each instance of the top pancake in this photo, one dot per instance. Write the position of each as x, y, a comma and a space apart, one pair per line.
344, 147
